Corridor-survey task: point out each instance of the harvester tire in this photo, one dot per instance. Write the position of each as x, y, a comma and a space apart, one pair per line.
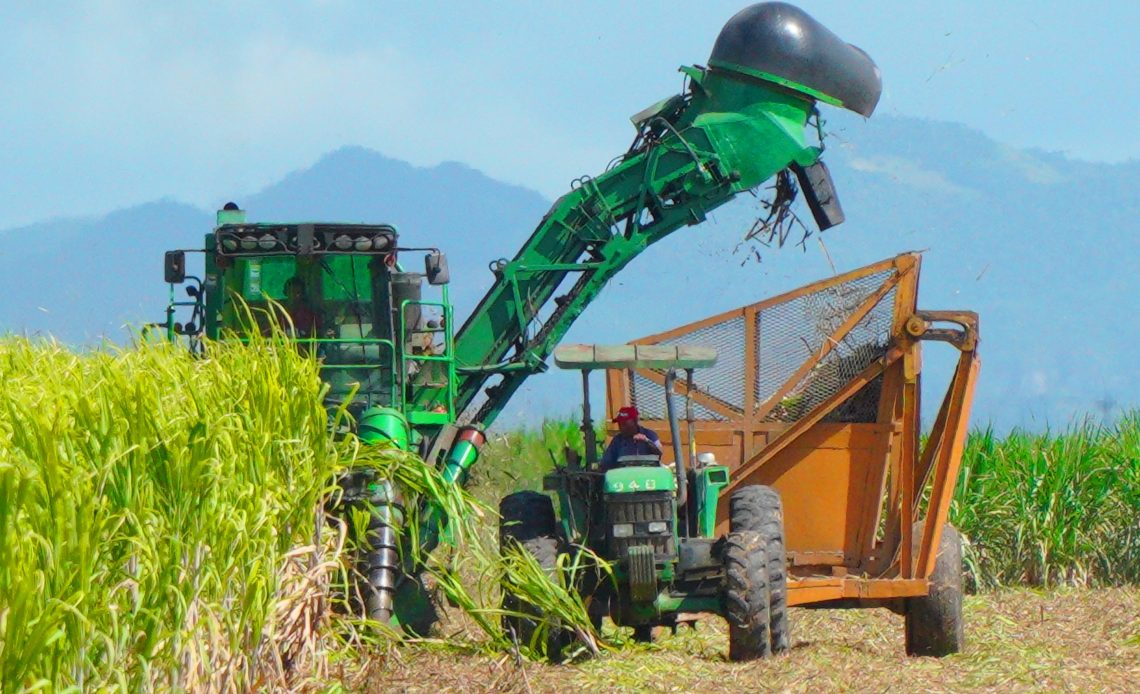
527, 519
643, 633
934, 625
746, 596
757, 508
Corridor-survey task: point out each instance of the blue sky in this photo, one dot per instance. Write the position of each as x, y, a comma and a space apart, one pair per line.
106, 104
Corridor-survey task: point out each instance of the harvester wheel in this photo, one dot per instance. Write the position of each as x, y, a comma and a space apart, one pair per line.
527, 519
758, 508
934, 623
746, 596
643, 633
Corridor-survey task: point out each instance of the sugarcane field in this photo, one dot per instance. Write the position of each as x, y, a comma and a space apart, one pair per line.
867, 420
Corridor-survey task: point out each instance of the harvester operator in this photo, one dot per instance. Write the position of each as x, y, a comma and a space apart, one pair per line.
631, 439
306, 320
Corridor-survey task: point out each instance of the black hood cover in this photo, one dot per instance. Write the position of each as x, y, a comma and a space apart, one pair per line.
782, 40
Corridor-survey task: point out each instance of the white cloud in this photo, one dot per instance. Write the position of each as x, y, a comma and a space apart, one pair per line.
126, 103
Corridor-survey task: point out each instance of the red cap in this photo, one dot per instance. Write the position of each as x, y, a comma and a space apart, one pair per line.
626, 413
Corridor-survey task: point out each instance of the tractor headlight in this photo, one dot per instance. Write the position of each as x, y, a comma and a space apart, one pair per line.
623, 530
658, 527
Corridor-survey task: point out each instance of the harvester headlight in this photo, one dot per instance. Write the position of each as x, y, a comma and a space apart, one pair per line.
363, 243
382, 242
267, 242
343, 242
229, 243
248, 243
658, 527
623, 530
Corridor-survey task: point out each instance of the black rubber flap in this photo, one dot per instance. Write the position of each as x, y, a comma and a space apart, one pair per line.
782, 40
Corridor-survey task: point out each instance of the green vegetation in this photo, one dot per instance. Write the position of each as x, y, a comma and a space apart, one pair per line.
157, 516
1052, 508
162, 524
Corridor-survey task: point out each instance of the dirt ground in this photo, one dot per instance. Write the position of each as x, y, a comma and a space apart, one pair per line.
1017, 640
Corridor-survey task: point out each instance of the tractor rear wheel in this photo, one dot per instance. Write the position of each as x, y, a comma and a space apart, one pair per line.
526, 519
934, 624
746, 596
757, 508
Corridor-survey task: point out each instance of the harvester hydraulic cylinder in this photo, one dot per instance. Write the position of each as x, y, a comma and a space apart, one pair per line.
463, 454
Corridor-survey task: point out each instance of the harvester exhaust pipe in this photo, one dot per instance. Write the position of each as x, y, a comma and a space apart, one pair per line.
675, 433
690, 420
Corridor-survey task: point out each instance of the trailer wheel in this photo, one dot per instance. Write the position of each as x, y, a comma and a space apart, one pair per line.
934, 624
746, 596
526, 519
758, 508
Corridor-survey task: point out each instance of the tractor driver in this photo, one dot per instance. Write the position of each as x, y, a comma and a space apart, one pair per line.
306, 319
631, 439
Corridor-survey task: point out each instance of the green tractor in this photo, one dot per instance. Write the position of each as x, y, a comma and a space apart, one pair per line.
656, 527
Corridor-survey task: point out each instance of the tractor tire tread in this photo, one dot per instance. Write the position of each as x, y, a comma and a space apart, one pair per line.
746, 596
525, 515
759, 509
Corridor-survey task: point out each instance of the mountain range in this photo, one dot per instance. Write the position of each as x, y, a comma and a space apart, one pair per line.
1044, 247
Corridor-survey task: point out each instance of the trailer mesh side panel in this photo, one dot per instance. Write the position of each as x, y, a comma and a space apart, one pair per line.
864, 344
649, 398
787, 336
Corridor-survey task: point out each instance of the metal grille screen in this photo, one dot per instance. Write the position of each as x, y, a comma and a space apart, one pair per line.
721, 382
649, 398
788, 335
864, 344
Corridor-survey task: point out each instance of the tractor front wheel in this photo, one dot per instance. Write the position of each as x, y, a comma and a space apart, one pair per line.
757, 508
526, 520
746, 596
934, 624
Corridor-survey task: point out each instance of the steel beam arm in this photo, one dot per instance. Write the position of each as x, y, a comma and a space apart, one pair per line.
725, 136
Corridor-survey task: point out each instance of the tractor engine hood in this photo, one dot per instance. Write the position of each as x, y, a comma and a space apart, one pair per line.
780, 43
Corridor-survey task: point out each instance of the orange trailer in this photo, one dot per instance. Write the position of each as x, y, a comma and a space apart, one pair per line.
817, 394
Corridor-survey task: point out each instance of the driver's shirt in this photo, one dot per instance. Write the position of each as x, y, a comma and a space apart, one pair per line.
306, 321
623, 445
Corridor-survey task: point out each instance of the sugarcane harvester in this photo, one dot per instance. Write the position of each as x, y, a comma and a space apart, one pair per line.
739, 121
